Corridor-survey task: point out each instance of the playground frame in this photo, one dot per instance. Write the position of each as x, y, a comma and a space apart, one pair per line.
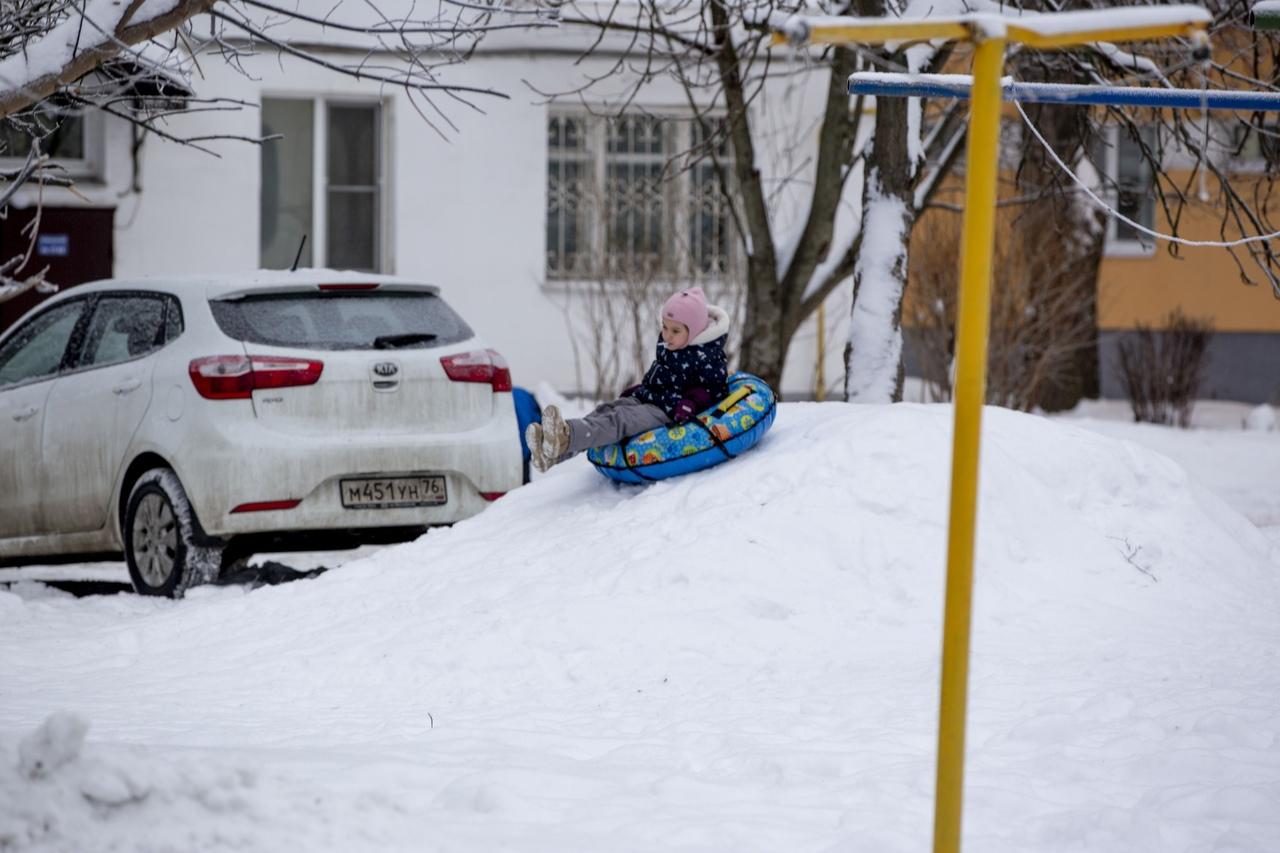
990, 34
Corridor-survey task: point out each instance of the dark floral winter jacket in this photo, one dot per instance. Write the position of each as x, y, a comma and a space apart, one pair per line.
700, 364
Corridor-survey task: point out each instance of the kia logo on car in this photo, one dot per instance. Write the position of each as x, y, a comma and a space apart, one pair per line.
386, 369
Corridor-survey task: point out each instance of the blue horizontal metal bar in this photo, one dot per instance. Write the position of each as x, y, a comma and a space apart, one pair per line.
1061, 93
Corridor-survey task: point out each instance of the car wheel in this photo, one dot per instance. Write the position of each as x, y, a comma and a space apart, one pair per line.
159, 538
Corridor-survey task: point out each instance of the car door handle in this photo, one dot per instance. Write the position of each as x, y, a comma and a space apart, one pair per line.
26, 414
127, 386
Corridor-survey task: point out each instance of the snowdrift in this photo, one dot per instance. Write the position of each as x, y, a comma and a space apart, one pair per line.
742, 659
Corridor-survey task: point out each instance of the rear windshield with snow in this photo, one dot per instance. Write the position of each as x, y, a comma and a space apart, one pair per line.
341, 320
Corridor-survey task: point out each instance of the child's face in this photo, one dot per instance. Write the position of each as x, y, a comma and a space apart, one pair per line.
674, 335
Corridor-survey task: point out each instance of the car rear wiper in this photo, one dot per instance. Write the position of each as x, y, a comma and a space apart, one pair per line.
407, 339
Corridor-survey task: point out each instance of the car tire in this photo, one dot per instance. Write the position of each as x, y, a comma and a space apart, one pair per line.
160, 544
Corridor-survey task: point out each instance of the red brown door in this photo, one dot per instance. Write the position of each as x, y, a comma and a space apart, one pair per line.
75, 243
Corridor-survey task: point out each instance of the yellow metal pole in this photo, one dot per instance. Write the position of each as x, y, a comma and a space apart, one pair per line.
970, 390
1066, 29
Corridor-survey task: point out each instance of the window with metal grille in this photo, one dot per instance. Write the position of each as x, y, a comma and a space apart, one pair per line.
638, 195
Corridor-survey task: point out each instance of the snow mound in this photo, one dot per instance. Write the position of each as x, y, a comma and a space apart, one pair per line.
741, 659
1261, 419
108, 798
55, 743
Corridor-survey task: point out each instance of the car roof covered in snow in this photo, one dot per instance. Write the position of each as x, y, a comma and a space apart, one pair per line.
215, 285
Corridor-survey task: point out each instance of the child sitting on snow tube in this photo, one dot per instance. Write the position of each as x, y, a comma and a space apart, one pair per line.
720, 433
689, 372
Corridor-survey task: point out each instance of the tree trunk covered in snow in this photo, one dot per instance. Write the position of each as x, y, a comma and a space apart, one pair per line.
873, 355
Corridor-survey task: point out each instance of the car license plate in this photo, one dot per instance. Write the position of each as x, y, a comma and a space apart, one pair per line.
393, 492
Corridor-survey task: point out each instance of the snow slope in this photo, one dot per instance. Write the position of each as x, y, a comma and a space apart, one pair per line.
744, 659
1215, 458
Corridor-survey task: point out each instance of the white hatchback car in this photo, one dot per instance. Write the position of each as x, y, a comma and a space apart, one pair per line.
187, 422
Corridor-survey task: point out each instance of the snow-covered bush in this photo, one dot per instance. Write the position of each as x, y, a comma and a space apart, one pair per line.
1261, 419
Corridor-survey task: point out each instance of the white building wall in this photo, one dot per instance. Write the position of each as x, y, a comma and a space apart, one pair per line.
465, 210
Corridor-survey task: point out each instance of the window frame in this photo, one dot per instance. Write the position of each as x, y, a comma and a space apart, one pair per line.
1253, 163
87, 168
318, 235
678, 199
1114, 246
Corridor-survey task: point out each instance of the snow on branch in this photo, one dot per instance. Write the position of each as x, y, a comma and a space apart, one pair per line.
99, 30
11, 287
1127, 61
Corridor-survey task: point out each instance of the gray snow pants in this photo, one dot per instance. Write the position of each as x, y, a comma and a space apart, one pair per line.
610, 422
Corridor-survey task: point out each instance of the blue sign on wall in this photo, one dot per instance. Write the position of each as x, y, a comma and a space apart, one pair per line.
53, 245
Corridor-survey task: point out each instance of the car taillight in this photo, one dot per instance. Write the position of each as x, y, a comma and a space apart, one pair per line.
236, 377
482, 365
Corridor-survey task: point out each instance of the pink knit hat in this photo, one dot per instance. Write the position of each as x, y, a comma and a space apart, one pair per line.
688, 307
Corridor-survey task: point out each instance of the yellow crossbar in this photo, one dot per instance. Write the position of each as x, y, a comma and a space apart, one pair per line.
879, 31
1046, 31
1048, 41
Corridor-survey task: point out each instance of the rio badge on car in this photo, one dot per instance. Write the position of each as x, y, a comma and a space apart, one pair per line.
393, 492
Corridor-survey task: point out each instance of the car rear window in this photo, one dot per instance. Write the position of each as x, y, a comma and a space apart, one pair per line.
341, 321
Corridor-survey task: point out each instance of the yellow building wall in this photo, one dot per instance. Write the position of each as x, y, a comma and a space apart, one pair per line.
1203, 282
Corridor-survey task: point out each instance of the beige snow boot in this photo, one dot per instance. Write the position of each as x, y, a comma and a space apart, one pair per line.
533, 438
555, 435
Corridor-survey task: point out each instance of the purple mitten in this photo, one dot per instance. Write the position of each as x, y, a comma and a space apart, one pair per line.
684, 410
700, 396
630, 390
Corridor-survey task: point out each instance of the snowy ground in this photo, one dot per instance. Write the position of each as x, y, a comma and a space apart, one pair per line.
744, 659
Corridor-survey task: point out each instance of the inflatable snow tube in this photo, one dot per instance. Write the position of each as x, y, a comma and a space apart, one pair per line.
718, 434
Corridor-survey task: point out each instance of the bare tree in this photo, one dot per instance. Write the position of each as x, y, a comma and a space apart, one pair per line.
717, 52
612, 312
1162, 370
61, 57
1190, 152
1039, 322
1186, 155
608, 319
613, 323
718, 55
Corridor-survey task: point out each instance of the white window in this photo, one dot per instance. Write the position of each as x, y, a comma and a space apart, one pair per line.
1254, 148
72, 139
636, 195
322, 180
1129, 186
